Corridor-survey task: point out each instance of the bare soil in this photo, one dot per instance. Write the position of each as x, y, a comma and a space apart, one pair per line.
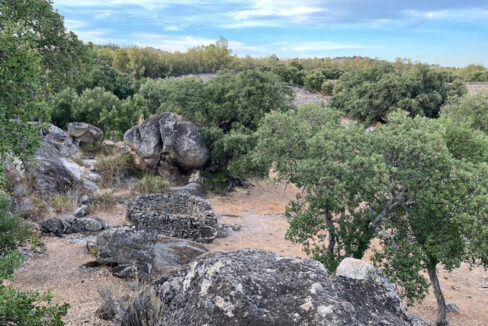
259, 210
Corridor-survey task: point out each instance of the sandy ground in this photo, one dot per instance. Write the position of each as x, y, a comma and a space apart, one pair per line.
259, 210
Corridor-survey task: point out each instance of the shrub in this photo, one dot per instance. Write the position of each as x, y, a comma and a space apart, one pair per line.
328, 88
113, 168
152, 184
61, 105
369, 94
314, 80
29, 308
90, 104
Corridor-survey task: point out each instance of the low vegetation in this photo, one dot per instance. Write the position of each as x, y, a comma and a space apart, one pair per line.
152, 184
114, 168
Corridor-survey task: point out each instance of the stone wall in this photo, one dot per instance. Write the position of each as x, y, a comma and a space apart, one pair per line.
177, 215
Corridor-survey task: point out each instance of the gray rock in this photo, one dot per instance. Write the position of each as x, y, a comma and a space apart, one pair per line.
193, 188
256, 287
138, 252
236, 227
130, 251
91, 224
54, 171
85, 200
53, 225
452, 307
167, 138
90, 186
174, 214
171, 254
82, 211
84, 133
73, 224
222, 231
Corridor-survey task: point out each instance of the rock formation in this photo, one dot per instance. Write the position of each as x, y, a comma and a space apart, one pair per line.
256, 287
167, 143
54, 171
73, 224
84, 133
178, 215
138, 252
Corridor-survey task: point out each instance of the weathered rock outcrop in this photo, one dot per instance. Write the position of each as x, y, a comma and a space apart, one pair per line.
138, 252
84, 133
54, 171
167, 141
73, 224
178, 215
256, 287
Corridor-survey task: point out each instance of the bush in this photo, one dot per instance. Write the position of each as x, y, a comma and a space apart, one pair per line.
369, 94
328, 88
29, 308
314, 80
90, 104
61, 105
152, 184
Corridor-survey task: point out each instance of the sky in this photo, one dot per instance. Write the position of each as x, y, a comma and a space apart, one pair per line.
448, 32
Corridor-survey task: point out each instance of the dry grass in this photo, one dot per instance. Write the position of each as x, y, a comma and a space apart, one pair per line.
105, 201
64, 202
152, 184
112, 168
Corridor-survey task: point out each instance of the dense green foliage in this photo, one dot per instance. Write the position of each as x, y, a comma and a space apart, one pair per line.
471, 110
20, 96
369, 94
92, 102
405, 184
314, 80
24, 70
62, 54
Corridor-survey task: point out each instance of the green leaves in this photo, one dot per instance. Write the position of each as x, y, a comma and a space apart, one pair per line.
409, 184
369, 94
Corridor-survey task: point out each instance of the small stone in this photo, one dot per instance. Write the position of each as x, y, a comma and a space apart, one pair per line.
91, 224
84, 200
452, 307
82, 211
92, 247
236, 227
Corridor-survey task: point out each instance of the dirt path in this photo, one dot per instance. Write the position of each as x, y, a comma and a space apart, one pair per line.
259, 210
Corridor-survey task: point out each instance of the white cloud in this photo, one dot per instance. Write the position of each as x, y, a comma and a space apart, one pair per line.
172, 28
74, 24
463, 15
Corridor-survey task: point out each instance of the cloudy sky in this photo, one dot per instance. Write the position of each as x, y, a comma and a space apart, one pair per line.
448, 32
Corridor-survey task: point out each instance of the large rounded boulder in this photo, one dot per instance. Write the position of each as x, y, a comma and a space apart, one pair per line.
256, 287
85, 133
167, 138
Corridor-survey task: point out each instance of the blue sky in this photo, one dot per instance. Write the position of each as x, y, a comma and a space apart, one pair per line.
449, 32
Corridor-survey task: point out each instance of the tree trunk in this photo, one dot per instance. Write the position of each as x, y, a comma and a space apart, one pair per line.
441, 304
